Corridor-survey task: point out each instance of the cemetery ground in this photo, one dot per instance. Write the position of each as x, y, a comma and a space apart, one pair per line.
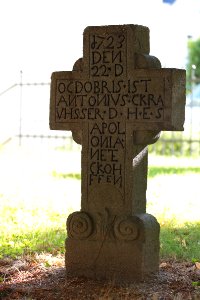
40, 187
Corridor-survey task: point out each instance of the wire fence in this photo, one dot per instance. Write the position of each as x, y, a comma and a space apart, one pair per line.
24, 119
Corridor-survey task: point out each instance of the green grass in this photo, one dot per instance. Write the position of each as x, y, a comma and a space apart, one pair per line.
67, 175
180, 242
28, 228
157, 170
27, 231
152, 172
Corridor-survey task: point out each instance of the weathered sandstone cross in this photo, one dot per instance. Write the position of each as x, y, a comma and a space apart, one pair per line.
116, 101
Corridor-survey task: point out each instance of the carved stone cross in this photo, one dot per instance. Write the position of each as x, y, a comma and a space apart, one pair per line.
116, 101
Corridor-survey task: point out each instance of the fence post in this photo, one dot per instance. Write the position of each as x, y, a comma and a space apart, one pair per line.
20, 110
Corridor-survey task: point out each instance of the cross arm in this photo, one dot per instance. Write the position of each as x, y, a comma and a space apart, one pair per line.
149, 99
156, 99
56, 79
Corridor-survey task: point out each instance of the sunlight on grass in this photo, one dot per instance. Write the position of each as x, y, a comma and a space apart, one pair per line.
175, 196
157, 170
25, 230
36, 198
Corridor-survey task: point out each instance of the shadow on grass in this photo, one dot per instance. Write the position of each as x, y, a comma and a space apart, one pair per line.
182, 243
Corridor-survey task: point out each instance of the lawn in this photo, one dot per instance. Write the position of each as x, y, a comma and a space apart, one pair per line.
38, 191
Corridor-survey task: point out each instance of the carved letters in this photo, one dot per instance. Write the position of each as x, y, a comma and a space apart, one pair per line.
108, 96
115, 101
102, 100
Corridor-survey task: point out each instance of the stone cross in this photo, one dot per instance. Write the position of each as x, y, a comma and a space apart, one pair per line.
116, 101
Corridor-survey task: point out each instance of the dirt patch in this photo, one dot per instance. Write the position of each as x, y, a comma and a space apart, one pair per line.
44, 278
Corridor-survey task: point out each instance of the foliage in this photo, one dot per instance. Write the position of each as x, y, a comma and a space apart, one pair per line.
178, 145
193, 59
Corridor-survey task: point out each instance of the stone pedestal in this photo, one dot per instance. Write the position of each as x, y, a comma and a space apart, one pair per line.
125, 250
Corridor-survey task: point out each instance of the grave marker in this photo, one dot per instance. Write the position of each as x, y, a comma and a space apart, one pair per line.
116, 101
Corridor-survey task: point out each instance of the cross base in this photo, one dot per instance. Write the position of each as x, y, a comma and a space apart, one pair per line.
115, 101
128, 252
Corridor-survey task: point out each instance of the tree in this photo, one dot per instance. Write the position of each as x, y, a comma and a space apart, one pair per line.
193, 64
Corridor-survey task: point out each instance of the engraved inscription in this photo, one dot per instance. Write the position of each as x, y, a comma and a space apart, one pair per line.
106, 150
100, 100
108, 55
118, 89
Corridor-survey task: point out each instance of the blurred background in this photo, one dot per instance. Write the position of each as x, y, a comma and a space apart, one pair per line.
39, 168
